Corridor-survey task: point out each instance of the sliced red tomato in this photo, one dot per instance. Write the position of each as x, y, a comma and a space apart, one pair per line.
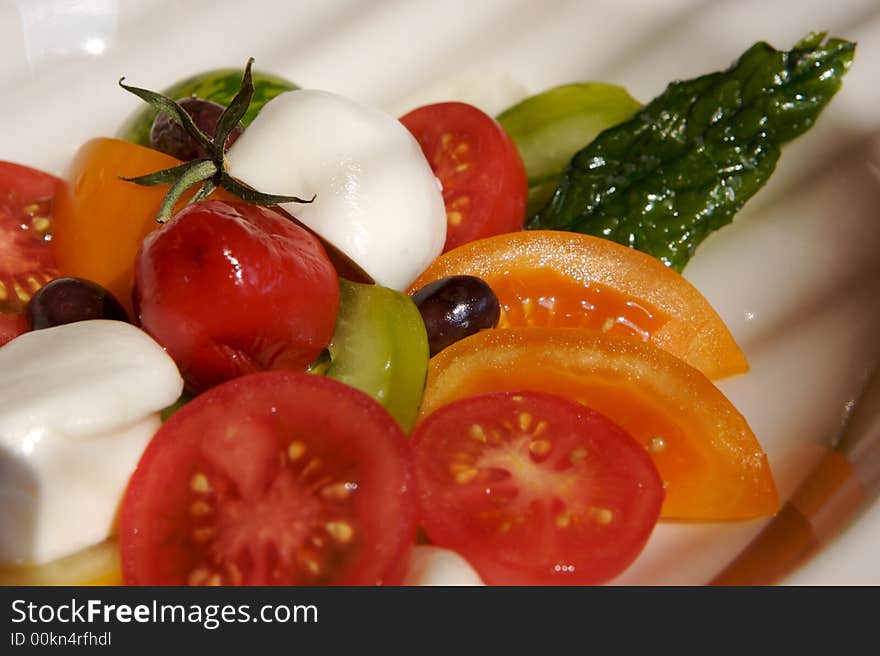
710, 460
276, 478
534, 489
26, 263
484, 181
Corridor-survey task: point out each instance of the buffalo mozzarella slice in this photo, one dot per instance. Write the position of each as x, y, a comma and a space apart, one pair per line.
78, 404
376, 198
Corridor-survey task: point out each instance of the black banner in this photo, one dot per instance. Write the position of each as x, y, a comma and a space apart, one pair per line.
125, 620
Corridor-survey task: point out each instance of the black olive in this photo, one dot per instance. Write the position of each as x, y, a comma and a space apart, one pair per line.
65, 300
454, 308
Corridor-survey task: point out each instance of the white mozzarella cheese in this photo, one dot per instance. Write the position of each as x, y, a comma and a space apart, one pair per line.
78, 404
430, 565
376, 198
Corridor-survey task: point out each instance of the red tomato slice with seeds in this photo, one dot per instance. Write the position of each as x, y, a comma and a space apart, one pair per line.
534, 489
275, 478
26, 262
485, 187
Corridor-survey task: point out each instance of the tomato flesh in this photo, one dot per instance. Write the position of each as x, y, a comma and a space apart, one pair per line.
557, 279
485, 188
11, 326
276, 478
707, 455
534, 489
26, 206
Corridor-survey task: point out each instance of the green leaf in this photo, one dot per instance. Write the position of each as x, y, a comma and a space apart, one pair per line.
204, 191
198, 171
688, 161
247, 194
164, 177
210, 173
173, 109
233, 114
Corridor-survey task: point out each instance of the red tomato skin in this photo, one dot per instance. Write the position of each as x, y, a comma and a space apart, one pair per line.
355, 428
28, 183
230, 288
485, 187
521, 556
11, 326
26, 262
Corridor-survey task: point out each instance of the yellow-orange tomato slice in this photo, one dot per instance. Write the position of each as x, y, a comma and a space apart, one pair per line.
708, 457
97, 565
100, 219
556, 279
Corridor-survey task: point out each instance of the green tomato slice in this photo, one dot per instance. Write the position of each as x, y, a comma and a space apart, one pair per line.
219, 86
380, 346
549, 128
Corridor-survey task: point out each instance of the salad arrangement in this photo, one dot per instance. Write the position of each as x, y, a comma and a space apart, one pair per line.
382, 326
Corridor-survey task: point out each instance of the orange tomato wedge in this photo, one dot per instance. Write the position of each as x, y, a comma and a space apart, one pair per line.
547, 278
708, 457
97, 565
100, 220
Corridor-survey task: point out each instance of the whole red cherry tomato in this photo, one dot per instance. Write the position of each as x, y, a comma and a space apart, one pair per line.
230, 288
484, 181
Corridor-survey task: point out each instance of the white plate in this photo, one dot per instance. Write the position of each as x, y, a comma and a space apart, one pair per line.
797, 277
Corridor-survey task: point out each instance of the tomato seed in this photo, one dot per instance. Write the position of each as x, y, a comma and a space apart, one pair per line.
337, 491
539, 448
200, 508
476, 431
199, 483
313, 465
198, 576
310, 564
23, 296
602, 515
296, 450
463, 474
342, 532
41, 224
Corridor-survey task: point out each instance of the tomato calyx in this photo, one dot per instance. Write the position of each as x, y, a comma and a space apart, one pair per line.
210, 172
